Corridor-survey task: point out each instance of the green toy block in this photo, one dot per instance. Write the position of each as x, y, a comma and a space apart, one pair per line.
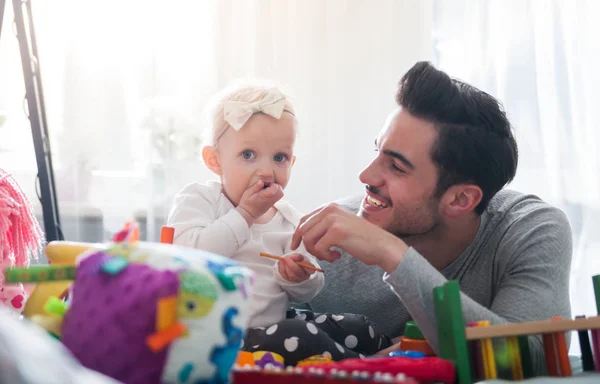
596, 280
451, 329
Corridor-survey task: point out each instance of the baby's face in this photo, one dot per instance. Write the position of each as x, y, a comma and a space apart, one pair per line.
262, 149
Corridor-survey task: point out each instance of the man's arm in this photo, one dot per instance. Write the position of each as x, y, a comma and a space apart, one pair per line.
535, 285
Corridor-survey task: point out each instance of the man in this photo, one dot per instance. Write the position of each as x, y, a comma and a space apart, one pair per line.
435, 210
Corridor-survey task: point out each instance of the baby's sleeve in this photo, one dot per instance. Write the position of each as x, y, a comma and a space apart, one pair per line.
194, 218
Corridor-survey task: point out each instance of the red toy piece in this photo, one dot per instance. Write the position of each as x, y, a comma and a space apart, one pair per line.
424, 370
311, 375
401, 370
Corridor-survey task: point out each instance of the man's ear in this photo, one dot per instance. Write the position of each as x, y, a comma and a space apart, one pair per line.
461, 199
293, 159
209, 155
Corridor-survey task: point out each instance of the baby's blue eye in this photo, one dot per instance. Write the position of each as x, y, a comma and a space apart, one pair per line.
280, 158
248, 155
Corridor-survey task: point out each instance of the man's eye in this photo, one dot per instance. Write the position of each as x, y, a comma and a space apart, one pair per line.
397, 169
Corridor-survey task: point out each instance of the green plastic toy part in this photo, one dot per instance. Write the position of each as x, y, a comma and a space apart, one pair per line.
451, 329
412, 331
56, 307
40, 274
596, 281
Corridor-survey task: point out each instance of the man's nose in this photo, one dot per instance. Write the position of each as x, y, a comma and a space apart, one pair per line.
371, 175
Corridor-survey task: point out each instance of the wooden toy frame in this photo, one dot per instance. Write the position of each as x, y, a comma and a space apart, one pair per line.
454, 337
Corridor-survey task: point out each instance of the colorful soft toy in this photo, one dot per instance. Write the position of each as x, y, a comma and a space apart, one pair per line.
151, 313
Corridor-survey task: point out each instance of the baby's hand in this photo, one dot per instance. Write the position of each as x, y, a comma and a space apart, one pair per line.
258, 199
291, 271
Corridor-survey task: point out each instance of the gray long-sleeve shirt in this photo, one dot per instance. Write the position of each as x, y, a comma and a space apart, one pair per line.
516, 269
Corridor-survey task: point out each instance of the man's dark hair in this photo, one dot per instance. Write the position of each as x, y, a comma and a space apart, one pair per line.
475, 143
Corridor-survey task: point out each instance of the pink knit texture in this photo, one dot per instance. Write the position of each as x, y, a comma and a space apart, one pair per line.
20, 232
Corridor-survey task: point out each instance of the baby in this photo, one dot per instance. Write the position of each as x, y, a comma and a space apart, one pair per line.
250, 146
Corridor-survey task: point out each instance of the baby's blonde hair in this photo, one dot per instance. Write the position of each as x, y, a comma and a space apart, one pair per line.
247, 90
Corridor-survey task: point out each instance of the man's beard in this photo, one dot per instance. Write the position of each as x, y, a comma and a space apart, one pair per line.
411, 231
414, 235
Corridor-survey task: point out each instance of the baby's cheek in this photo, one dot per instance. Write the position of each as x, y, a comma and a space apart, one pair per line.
232, 189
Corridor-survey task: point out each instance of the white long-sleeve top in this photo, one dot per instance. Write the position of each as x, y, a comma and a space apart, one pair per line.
204, 218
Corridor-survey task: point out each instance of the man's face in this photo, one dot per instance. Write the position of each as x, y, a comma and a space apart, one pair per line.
402, 178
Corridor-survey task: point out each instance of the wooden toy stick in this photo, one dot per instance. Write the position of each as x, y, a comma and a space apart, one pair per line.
525, 357
550, 354
515, 358
596, 348
487, 354
475, 349
532, 328
587, 358
562, 351
300, 263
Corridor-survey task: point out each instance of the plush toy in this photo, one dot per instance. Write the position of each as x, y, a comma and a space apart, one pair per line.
20, 238
149, 313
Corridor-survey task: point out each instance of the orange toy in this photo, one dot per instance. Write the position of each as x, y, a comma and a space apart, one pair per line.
244, 359
413, 340
167, 234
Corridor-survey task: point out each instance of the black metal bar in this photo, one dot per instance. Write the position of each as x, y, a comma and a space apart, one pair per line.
42, 110
37, 119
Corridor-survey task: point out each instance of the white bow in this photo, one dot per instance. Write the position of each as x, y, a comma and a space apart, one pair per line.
237, 113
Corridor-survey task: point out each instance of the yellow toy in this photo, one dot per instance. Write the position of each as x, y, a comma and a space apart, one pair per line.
316, 359
59, 253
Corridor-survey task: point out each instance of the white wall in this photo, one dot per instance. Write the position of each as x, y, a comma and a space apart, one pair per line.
102, 62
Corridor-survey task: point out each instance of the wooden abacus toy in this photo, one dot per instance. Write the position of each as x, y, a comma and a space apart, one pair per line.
484, 351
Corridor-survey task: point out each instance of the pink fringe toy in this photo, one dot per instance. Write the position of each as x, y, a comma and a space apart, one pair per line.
20, 237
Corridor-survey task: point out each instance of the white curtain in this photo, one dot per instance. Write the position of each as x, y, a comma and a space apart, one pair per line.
542, 59
124, 83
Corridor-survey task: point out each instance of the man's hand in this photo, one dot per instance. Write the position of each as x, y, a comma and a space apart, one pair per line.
331, 226
289, 270
257, 200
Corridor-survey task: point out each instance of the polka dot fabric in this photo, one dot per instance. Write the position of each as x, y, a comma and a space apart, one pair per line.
304, 334
99, 328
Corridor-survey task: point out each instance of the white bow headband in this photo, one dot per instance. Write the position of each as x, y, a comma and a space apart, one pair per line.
237, 113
